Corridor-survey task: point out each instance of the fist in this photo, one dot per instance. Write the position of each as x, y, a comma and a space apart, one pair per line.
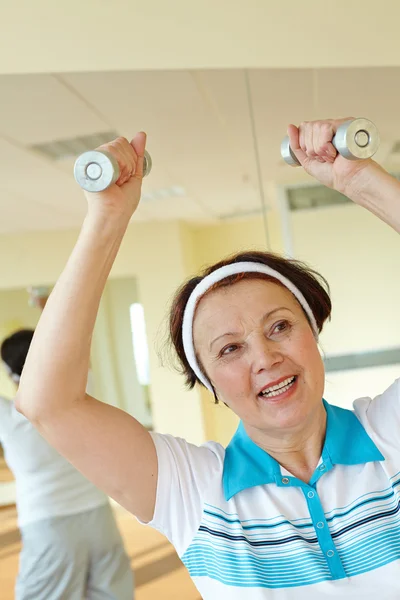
122, 198
311, 142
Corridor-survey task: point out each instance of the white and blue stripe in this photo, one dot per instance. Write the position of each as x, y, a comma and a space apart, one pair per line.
277, 553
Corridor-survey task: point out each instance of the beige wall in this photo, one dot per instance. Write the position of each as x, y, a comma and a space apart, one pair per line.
73, 35
360, 257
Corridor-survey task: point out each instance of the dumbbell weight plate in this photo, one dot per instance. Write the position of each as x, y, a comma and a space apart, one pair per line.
287, 153
95, 171
357, 139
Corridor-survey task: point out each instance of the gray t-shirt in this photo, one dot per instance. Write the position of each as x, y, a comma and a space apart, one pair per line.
47, 485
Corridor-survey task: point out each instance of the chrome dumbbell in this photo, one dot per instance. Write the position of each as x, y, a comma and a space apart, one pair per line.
96, 170
356, 139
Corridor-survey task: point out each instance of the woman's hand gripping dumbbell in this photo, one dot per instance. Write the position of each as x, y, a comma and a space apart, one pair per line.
97, 169
354, 139
331, 150
112, 177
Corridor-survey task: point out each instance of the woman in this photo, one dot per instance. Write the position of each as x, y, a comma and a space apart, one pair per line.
71, 546
305, 498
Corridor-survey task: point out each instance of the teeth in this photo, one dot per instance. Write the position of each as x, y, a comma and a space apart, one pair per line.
275, 390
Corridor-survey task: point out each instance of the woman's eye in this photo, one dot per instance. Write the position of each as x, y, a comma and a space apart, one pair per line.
228, 349
281, 327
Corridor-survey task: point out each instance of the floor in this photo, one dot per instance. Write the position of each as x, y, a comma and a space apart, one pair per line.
5, 474
158, 571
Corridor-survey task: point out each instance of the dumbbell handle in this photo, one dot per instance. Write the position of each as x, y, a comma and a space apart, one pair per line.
294, 157
356, 139
96, 170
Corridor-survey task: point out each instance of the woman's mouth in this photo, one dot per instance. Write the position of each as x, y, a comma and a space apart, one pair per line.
280, 390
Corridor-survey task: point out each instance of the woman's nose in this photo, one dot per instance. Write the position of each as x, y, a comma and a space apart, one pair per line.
265, 354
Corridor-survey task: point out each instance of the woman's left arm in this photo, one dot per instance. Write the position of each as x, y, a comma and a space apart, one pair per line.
377, 191
363, 181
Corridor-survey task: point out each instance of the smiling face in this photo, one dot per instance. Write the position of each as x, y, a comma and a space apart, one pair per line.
257, 348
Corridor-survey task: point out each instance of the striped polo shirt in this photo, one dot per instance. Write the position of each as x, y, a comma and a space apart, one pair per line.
246, 528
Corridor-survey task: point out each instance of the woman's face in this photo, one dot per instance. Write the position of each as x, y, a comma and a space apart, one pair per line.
258, 350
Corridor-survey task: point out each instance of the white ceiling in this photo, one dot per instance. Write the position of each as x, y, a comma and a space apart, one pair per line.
199, 134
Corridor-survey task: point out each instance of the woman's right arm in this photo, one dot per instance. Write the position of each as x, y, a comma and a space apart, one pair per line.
107, 445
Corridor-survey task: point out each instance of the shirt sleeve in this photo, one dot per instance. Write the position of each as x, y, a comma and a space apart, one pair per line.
381, 416
184, 473
5, 417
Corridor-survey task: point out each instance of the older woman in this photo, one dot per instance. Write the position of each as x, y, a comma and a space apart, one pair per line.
304, 502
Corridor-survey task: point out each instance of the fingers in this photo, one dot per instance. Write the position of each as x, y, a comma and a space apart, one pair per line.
296, 141
139, 145
323, 141
310, 132
128, 155
315, 140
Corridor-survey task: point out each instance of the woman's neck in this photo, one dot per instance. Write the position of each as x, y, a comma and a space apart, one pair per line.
298, 451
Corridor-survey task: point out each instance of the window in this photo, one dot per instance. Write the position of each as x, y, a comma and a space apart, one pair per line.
139, 340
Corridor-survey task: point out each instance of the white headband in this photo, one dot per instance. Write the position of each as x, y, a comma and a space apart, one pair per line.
208, 281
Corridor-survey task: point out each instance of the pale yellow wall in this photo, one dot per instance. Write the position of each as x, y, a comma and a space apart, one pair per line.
73, 35
360, 257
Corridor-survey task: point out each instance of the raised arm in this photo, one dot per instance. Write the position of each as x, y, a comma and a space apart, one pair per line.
108, 446
363, 181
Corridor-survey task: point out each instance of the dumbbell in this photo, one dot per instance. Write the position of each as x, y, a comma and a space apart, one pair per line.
96, 170
356, 139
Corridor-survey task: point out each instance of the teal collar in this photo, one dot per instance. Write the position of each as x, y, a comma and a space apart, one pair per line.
346, 443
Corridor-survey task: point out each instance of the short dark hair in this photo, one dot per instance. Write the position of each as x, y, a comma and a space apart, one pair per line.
14, 349
313, 286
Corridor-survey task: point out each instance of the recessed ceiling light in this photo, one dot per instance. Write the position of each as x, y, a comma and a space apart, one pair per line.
174, 191
72, 147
